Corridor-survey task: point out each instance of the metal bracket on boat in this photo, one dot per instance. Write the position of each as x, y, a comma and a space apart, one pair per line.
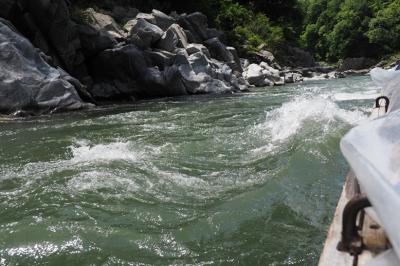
387, 102
351, 241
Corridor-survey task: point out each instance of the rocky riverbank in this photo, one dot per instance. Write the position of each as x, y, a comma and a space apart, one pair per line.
55, 57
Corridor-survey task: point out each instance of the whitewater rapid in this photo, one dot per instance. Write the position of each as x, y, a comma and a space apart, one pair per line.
197, 180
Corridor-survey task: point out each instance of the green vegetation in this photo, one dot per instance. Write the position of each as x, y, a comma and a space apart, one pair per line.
248, 30
330, 29
335, 29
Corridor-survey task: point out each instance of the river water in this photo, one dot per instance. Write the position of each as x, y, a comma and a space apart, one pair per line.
250, 179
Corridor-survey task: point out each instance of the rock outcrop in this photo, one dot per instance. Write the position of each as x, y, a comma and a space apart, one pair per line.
151, 55
27, 82
160, 59
359, 63
262, 74
142, 33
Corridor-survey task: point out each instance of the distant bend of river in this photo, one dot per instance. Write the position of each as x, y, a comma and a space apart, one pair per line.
249, 179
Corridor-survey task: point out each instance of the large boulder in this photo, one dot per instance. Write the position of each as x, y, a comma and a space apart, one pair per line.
160, 58
94, 41
148, 17
196, 26
162, 20
264, 56
199, 24
173, 38
102, 22
193, 48
27, 82
292, 77
263, 75
254, 75
219, 51
128, 70
142, 33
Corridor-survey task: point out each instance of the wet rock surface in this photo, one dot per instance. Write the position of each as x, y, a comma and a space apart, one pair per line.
27, 82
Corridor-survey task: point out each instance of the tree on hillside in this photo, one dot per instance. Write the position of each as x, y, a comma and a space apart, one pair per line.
384, 29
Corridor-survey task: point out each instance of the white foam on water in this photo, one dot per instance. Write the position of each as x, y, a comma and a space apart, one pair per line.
95, 180
284, 122
264, 149
83, 151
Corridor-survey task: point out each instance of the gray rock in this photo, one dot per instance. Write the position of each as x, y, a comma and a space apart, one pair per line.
129, 24
27, 82
339, 75
173, 38
105, 91
162, 20
272, 72
144, 34
254, 75
182, 57
148, 17
200, 63
195, 48
161, 59
191, 30
219, 51
244, 63
263, 75
135, 69
94, 41
279, 82
265, 56
236, 58
191, 38
292, 77
199, 24
103, 22
128, 69
126, 63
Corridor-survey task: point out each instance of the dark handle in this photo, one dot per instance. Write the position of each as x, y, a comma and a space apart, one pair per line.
387, 102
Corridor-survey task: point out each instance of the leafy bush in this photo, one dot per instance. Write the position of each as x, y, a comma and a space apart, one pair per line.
384, 29
248, 30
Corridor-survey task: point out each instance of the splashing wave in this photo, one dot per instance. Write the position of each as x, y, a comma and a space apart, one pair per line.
286, 121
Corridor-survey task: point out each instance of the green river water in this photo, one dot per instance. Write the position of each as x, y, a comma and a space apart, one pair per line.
249, 179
